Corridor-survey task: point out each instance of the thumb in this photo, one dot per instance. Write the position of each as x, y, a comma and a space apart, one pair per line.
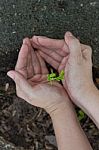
23, 85
11, 74
15, 76
18, 79
74, 46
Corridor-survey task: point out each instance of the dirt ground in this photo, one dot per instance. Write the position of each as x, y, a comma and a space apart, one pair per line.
23, 127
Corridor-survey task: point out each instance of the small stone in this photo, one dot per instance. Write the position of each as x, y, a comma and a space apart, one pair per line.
13, 23
51, 139
15, 14
13, 6
93, 3
14, 32
81, 5
6, 86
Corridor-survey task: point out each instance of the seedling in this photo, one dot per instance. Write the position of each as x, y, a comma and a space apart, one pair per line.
81, 115
53, 76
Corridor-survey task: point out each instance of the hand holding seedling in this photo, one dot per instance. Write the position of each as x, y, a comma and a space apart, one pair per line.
75, 59
72, 57
72, 60
30, 76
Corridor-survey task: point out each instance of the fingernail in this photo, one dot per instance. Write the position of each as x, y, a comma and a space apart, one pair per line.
11, 74
69, 33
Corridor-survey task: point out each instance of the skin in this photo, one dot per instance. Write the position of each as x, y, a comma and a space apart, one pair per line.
77, 64
30, 76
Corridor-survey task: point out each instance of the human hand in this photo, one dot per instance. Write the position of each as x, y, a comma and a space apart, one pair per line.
30, 77
77, 63
54, 52
78, 69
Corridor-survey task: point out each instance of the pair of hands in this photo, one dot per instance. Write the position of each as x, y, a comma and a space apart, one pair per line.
30, 73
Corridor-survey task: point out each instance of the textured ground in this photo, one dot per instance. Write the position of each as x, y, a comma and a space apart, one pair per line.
21, 18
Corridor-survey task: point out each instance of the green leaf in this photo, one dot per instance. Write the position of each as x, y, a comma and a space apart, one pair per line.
61, 75
81, 115
52, 76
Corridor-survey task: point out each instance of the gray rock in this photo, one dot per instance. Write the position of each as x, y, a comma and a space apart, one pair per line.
51, 139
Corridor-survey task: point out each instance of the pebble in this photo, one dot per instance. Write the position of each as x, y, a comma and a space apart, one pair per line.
6, 86
93, 3
14, 32
13, 23
15, 14
51, 139
13, 6
81, 5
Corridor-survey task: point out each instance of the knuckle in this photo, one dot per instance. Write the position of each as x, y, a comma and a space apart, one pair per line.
89, 48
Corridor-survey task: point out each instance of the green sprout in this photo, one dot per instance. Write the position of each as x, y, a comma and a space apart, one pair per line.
53, 76
81, 115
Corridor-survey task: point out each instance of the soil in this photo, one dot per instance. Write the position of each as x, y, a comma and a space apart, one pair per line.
22, 126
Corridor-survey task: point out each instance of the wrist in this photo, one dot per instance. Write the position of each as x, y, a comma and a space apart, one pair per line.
89, 103
53, 109
84, 94
61, 109
88, 93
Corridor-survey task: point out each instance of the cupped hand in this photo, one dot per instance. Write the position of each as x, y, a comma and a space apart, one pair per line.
53, 51
72, 56
78, 69
30, 76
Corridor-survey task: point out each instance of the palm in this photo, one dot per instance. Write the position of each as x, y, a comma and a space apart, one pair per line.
33, 68
55, 52
30, 65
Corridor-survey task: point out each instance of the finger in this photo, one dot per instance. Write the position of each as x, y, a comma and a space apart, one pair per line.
30, 69
44, 69
48, 42
22, 57
23, 88
52, 44
51, 53
74, 47
33, 63
36, 64
33, 66
63, 64
49, 60
61, 52
18, 79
